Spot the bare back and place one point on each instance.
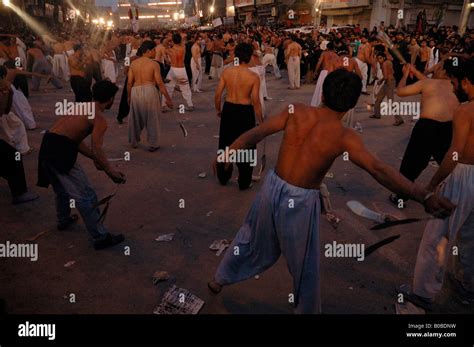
(239, 82)
(77, 128)
(176, 55)
(144, 70)
(465, 121)
(313, 139)
(294, 50)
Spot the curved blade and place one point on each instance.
(394, 223)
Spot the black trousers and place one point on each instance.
(208, 58)
(235, 120)
(124, 107)
(429, 138)
(21, 82)
(81, 88)
(11, 169)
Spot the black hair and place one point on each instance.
(460, 68)
(10, 64)
(103, 91)
(342, 50)
(145, 47)
(330, 45)
(77, 47)
(381, 54)
(341, 90)
(176, 38)
(244, 52)
(3, 71)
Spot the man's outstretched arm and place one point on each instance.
(392, 179)
(257, 134)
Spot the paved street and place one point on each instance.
(147, 205)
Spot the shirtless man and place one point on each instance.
(284, 217)
(69, 47)
(12, 169)
(241, 107)
(387, 90)
(217, 62)
(424, 57)
(196, 67)
(40, 66)
(293, 57)
(57, 165)
(432, 133)
(143, 78)
(60, 68)
(160, 57)
(363, 59)
(77, 68)
(270, 58)
(208, 55)
(326, 64)
(344, 61)
(177, 74)
(453, 180)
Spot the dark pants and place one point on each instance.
(81, 88)
(93, 72)
(124, 107)
(208, 58)
(235, 120)
(11, 169)
(429, 138)
(21, 83)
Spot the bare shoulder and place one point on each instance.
(465, 111)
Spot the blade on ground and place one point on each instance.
(372, 248)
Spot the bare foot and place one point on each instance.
(214, 287)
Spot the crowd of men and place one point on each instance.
(437, 64)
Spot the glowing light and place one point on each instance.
(95, 21)
(78, 12)
(110, 23)
(101, 20)
(175, 15)
(6, 3)
(211, 9)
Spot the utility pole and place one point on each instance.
(466, 10)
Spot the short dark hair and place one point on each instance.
(77, 47)
(341, 90)
(464, 68)
(177, 38)
(103, 91)
(244, 52)
(145, 47)
(3, 71)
